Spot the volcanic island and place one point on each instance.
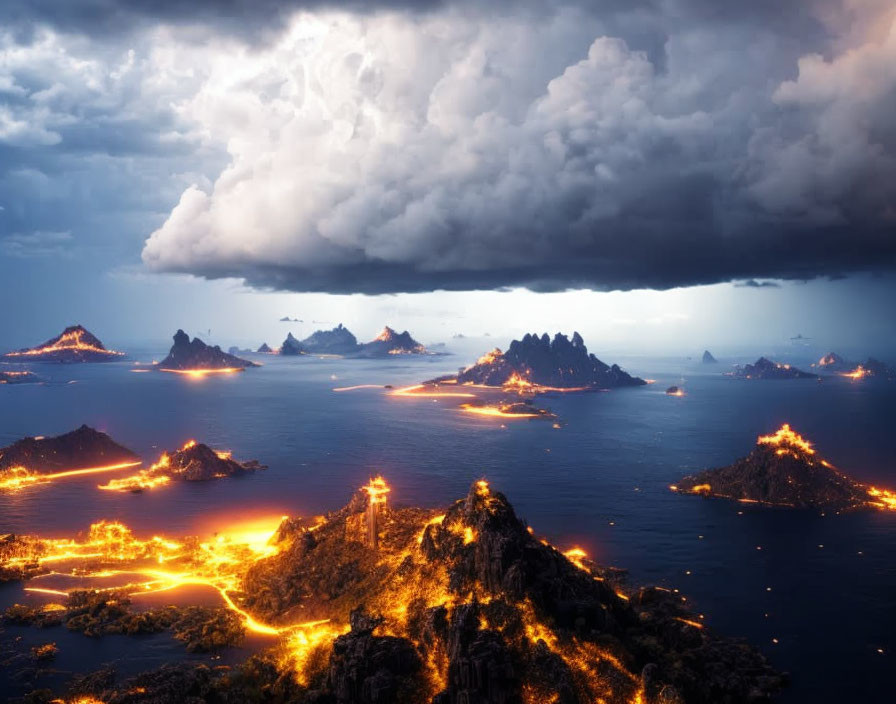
(72, 345)
(374, 604)
(784, 469)
(764, 368)
(197, 359)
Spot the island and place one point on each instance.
(507, 408)
(540, 364)
(339, 340)
(708, 358)
(674, 391)
(291, 347)
(784, 469)
(37, 460)
(871, 367)
(19, 377)
(74, 344)
(198, 359)
(389, 343)
(833, 362)
(374, 604)
(764, 368)
(194, 462)
(264, 349)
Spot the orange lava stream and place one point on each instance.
(787, 437)
(858, 373)
(16, 478)
(495, 412)
(418, 391)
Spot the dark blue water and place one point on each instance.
(822, 586)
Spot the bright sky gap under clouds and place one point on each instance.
(405, 148)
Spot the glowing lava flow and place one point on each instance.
(16, 478)
(785, 437)
(153, 477)
(68, 342)
(428, 391)
(158, 564)
(498, 411)
(357, 387)
(858, 373)
(202, 373)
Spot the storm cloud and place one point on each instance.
(418, 146)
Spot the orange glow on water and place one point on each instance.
(496, 411)
(202, 373)
(858, 373)
(16, 478)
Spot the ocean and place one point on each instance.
(815, 593)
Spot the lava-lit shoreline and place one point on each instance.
(422, 563)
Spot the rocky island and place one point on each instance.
(785, 470)
(373, 605)
(74, 344)
(708, 358)
(871, 367)
(339, 340)
(764, 368)
(39, 459)
(389, 342)
(194, 462)
(291, 347)
(264, 349)
(541, 364)
(198, 358)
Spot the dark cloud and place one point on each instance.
(753, 283)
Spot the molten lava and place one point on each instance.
(202, 373)
(858, 373)
(74, 340)
(15, 478)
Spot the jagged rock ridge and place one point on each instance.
(389, 342)
(764, 368)
(74, 344)
(291, 347)
(339, 340)
(78, 449)
(559, 363)
(186, 355)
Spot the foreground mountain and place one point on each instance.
(187, 356)
(291, 347)
(193, 462)
(764, 368)
(381, 605)
(541, 362)
(74, 344)
(389, 342)
(708, 358)
(785, 470)
(339, 340)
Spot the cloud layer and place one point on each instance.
(417, 146)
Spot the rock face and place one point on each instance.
(558, 363)
(291, 347)
(74, 344)
(389, 342)
(339, 340)
(18, 377)
(473, 608)
(187, 355)
(81, 448)
(708, 358)
(785, 470)
(766, 369)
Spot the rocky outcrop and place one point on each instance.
(764, 368)
(389, 342)
(539, 361)
(194, 462)
(833, 362)
(264, 349)
(708, 358)
(291, 347)
(339, 340)
(81, 448)
(785, 470)
(194, 355)
(74, 344)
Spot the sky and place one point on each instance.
(661, 175)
